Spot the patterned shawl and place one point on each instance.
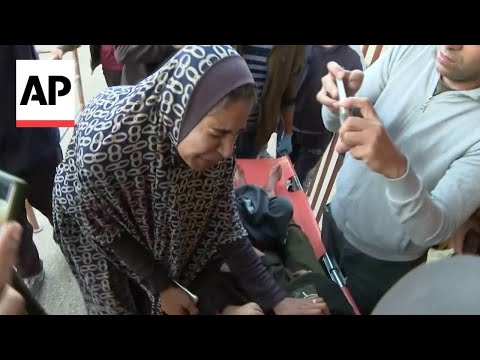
(128, 179)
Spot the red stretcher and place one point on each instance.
(256, 172)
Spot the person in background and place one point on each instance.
(358, 50)
(393, 202)
(31, 154)
(310, 138)
(99, 55)
(140, 61)
(276, 69)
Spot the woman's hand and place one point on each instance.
(247, 309)
(313, 305)
(175, 301)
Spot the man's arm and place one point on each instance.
(430, 218)
(60, 50)
(143, 53)
(287, 116)
(290, 94)
(67, 48)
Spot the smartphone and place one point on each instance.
(342, 95)
(12, 199)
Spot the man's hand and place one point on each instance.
(285, 145)
(56, 54)
(308, 306)
(175, 301)
(11, 302)
(328, 95)
(366, 139)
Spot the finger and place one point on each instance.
(317, 301)
(11, 302)
(353, 123)
(336, 70)
(319, 304)
(191, 308)
(256, 307)
(325, 99)
(366, 108)
(258, 312)
(325, 309)
(354, 82)
(318, 310)
(341, 147)
(10, 235)
(354, 138)
(360, 152)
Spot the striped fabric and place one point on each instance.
(256, 57)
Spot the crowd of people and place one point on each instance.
(148, 205)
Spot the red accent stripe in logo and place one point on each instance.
(45, 123)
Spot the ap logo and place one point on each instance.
(45, 93)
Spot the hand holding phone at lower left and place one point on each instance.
(11, 302)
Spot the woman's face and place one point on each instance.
(213, 139)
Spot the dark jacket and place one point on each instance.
(308, 124)
(283, 70)
(140, 61)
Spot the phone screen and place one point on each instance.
(5, 192)
(12, 192)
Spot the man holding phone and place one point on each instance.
(31, 154)
(412, 161)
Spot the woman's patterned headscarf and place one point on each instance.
(122, 176)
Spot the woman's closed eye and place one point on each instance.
(217, 133)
